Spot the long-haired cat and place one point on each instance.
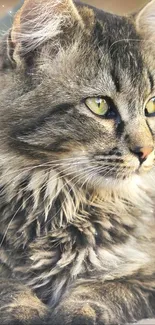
(77, 166)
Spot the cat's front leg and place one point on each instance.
(110, 303)
(18, 305)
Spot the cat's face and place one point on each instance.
(80, 91)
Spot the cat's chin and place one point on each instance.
(115, 183)
(140, 179)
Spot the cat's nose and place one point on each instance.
(142, 152)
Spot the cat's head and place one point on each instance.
(78, 91)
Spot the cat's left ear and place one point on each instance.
(40, 21)
(145, 21)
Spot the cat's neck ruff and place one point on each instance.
(44, 188)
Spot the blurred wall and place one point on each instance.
(118, 6)
(6, 6)
(9, 7)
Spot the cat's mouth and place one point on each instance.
(118, 179)
(144, 169)
(122, 173)
(107, 171)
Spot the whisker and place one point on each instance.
(49, 164)
(73, 185)
(5, 233)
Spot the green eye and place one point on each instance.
(150, 107)
(97, 105)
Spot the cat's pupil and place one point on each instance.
(98, 102)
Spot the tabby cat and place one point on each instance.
(77, 166)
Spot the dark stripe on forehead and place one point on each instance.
(118, 39)
(151, 80)
(116, 81)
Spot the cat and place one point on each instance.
(77, 166)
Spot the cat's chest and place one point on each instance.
(94, 243)
(72, 253)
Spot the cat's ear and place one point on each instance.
(145, 21)
(39, 21)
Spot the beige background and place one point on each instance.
(118, 6)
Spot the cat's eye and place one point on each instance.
(97, 105)
(150, 107)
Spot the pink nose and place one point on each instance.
(142, 152)
(145, 152)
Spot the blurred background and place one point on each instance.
(8, 8)
(118, 6)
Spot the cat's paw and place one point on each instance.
(84, 313)
(23, 310)
(19, 305)
(21, 316)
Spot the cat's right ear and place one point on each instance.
(37, 22)
(145, 21)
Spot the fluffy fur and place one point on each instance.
(77, 228)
